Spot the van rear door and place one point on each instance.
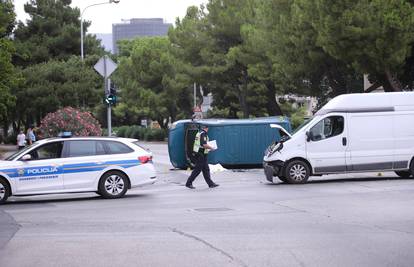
(327, 145)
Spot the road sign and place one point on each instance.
(105, 66)
(198, 114)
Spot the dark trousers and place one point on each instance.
(201, 165)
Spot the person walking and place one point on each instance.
(21, 140)
(31, 138)
(201, 149)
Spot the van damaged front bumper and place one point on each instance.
(272, 169)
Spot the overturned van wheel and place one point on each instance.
(283, 179)
(403, 174)
(113, 184)
(297, 172)
(4, 191)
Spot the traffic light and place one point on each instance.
(110, 100)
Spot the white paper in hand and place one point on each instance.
(212, 144)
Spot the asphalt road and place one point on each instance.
(347, 220)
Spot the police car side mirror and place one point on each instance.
(26, 157)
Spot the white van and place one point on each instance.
(351, 133)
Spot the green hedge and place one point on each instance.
(141, 133)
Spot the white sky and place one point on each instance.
(103, 16)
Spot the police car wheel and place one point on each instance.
(113, 185)
(4, 191)
(297, 172)
(412, 167)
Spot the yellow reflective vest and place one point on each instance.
(197, 141)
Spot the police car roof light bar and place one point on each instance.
(65, 134)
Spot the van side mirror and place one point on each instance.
(26, 157)
(309, 136)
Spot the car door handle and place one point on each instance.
(99, 162)
(344, 141)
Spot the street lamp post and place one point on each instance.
(81, 31)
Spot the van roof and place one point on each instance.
(369, 102)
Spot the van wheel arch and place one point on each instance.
(8, 183)
(115, 170)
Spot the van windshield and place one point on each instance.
(302, 125)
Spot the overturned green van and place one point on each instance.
(241, 142)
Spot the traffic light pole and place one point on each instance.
(109, 115)
(105, 66)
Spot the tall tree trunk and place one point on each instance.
(242, 94)
(232, 113)
(273, 108)
(337, 80)
(392, 82)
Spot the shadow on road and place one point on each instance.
(344, 180)
(31, 202)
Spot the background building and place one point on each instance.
(133, 28)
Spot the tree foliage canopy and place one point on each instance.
(52, 32)
(150, 87)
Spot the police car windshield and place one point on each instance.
(18, 153)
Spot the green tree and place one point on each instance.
(374, 37)
(57, 84)
(148, 82)
(52, 32)
(209, 41)
(9, 77)
(300, 64)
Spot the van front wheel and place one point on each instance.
(297, 172)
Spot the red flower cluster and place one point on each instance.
(69, 120)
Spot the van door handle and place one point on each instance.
(344, 141)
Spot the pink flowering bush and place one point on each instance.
(69, 120)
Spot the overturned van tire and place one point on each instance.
(297, 172)
(283, 179)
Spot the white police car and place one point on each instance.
(108, 166)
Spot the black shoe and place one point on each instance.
(190, 186)
(213, 185)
